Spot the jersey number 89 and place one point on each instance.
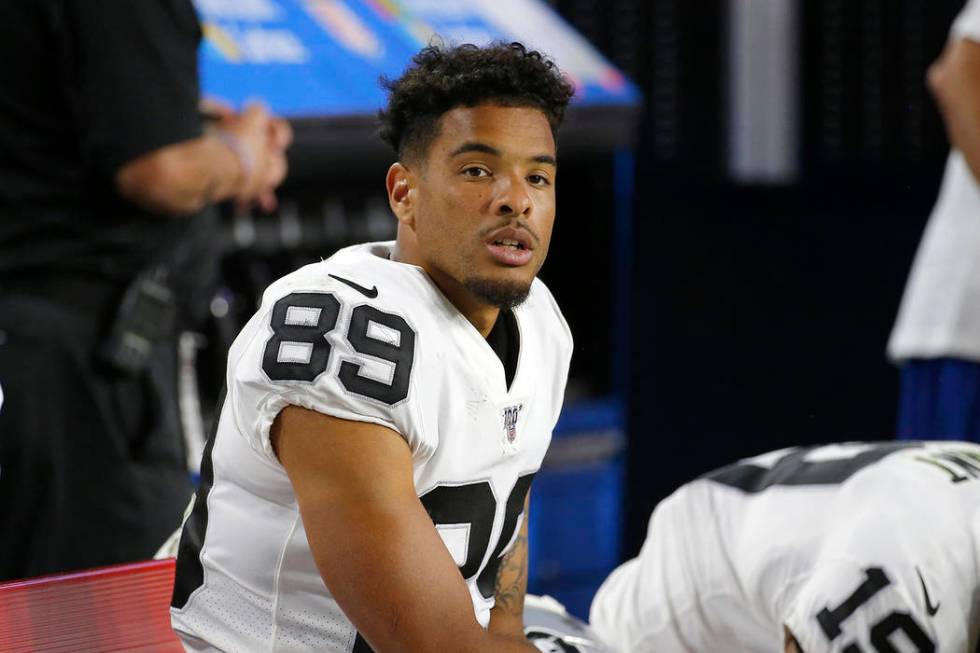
(299, 351)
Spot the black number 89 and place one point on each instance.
(299, 351)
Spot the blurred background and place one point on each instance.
(743, 185)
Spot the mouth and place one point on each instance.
(514, 238)
(504, 242)
(510, 247)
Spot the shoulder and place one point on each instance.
(358, 271)
(846, 603)
(357, 285)
(341, 337)
(865, 587)
(967, 23)
(363, 274)
(799, 468)
(542, 308)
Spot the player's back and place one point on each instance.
(831, 541)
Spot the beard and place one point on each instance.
(502, 294)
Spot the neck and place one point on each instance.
(477, 312)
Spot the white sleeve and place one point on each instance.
(847, 603)
(647, 605)
(311, 364)
(967, 23)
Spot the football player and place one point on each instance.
(850, 548)
(367, 484)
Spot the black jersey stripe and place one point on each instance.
(190, 571)
(794, 469)
(361, 645)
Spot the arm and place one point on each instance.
(134, 68)
(507, 615)
(954, 80)
(791, 645)
(375, 546)
(184, 177)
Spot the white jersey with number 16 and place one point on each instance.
(856, 548)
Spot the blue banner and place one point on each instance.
(316, 58)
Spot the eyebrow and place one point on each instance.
(472, 146)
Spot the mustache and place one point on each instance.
(508, 222)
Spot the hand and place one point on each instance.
(214, 109)
(281, 137)
(263, 139)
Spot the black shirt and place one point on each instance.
(505, 340)
(86, 86)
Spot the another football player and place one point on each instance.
(386, 410)
(845, 548)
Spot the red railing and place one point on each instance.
(118, 608)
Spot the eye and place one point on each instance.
(476, 172)
(539, 180)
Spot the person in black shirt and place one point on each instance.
(106, 175)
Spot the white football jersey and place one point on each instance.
(361, 337)
(857, 548)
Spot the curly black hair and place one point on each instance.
(442, 78)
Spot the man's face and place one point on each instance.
(485, 202)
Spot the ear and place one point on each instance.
(401, 185)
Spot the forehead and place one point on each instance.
(518, 131)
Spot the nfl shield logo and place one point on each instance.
(511, 413)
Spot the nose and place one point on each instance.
(512, 198)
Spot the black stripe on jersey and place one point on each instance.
(792, 469)
(190, 570)
(361, 645)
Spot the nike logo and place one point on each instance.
(369, 293)
(930, 608)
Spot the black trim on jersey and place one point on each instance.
(505, 341)
(474, 504)
(792, 469)
(190, 571)
(486, 582)
(361, 645)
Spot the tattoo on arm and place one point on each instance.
(512, 578)
(510, 585)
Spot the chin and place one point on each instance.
(502, 293)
